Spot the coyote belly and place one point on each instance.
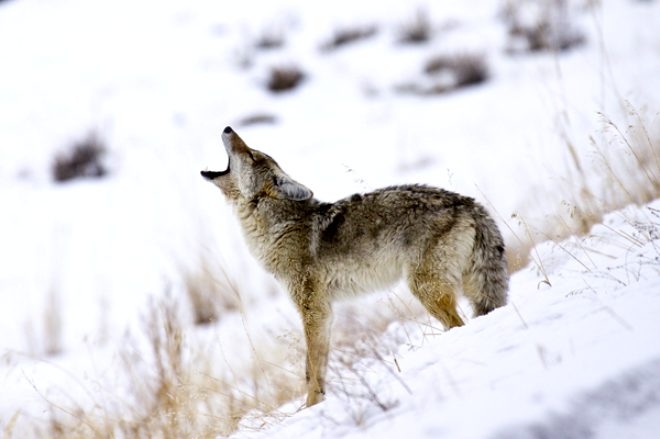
(438, 241)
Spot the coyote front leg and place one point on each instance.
(316, 313)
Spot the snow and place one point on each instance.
(574, 354)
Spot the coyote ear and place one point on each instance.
(292, 190)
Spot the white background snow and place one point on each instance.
(573, 355)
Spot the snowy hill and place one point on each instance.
(574, 355)
(130, 307)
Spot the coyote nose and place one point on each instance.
(233, 143)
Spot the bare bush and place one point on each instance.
(540, 25)
(348, 35)
(284, 78)
(83, 160)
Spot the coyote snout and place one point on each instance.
(440, 242)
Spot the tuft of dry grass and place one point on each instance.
(44, 336)
(8, 429)
(625, 170)
(210, 292)
(188, 396)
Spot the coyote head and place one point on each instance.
(251, 175)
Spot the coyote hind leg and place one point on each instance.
(437, 276)
(437, 294)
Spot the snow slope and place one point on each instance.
(573, 355)
(82, 263)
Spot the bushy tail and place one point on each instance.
(486, 280)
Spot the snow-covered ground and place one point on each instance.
(84, 262)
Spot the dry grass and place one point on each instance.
(172, 387)
(44, 335)
(53, 325)
(360, 370)
(624, 168)
(362, 363)
(210, 291)
(8, 429)
(172, 382)
(189, 397)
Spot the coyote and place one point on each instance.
(439, 241)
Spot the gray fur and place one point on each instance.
(439, 241)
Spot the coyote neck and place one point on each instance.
(275, 230)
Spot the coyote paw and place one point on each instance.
(314, 398)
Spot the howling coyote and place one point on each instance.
(439, 241)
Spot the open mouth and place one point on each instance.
(210, 175)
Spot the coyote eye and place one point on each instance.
(251, 156)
